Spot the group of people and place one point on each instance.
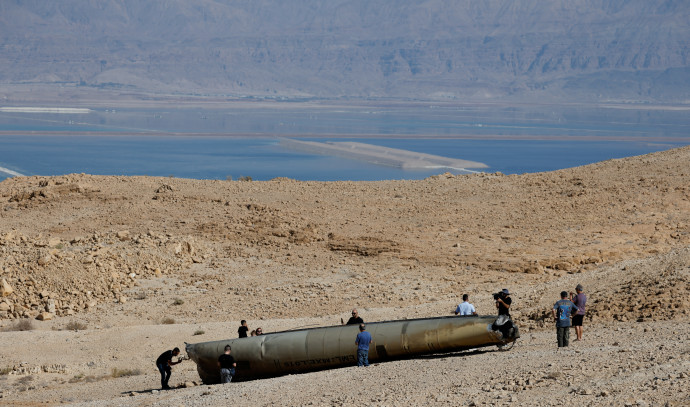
(363, 339)
(566, 309)
(227, 364)
(563, 311)
(567, 312)
(243, 329)
(502, 300)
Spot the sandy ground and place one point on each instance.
(138, 265)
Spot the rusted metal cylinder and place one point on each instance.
(331, 347)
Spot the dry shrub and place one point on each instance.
(77, 378)
(21, 325)
(124, 372)
(87, 379)
(168, 321)
(178, 301)
(75, 326)
(199, 332)
(26, 379)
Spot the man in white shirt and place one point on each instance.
(465, 308)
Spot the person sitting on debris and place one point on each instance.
(354, 319)
(227, 365)
(465, 308)
(253, 332)
(242, 330)
(164, 364)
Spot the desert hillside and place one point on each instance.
(155, 261)
(593, 50)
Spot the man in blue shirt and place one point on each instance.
(562, 311)
(465, 308)
(363, 340)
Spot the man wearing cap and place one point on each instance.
(579, 299)
(562, 310)
(503, 302)
(362, 341)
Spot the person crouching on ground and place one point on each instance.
(562, 311)
(227, 365)
(164, 364)
(363, 340)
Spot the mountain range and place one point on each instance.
(519, 50)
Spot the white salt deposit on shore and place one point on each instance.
(8, 171)
(60, 110)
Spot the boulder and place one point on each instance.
(50, 306)
(44, 260)
(123, 235)
(44, 316)
(5, 289)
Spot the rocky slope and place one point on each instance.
(120, 268)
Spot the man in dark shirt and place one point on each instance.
(503, 302)
(227, 364)
(242, 330)
(164, 363)
(354, 319)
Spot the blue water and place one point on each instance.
(235, 142)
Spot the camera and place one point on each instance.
(498, 295)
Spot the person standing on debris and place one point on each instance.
(354, 319)
(362, 341)
(465, 308)
(562, 311)
(579, 299)
(243, 329)
(165, 363)
(227, 365)
(503, 302)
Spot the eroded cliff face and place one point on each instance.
(586, 50)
